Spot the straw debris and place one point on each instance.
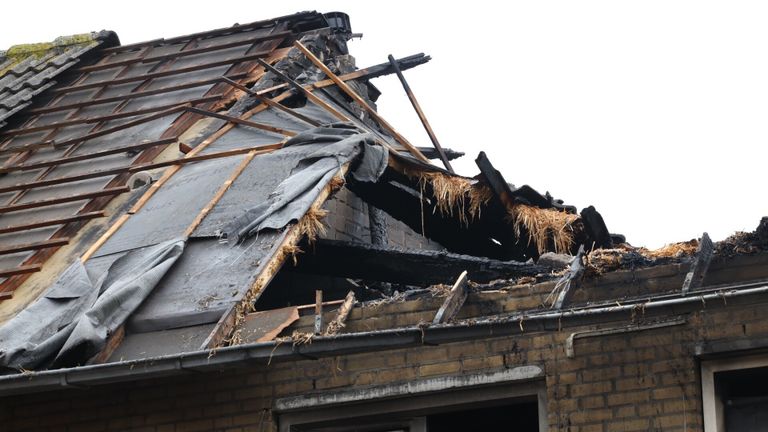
(300, 338)
(454, 195)
(672, 250)
(311, 224)
(479, 197)
(543, 226)
(450, 193)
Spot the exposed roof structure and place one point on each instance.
(155, 194)
(28, 70)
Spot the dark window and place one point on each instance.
(744, 395)
(519, 417)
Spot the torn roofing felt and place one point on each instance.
(70, 323)
(294, 196)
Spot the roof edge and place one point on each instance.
(353, 343)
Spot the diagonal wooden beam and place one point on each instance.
(701, 259)
(363, 104)
(453, 302)
(308, 94)
(420, 113)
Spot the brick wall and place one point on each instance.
(644, 381)
(348, 220)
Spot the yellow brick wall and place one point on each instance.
(627, 382)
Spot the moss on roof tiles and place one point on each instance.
(18, 53)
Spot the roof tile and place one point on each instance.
(27, 70)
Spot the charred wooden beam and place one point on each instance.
(273, 104)
(406, 204)
(762, 230)
(431, 153)
(597, 232)
(406, 266)
(360, 101)
(524, 194)
(377, 225)
(301, 89)
(240, 121)
(494, 179)
(701, 259)
(363, 74)
(453, 303)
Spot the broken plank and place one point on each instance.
(264, 326)
(318, 311)
(271, 103)
(341, 315)
(240, 121)
(113, 341)
(453, 303)
(701, 260)
(570, 281)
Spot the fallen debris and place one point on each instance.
(338, 323)
(452, 304)
(544, 227)
(569, 282)
(700, 265)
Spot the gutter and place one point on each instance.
(266, 353)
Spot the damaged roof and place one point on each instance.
(28, 70)
(172, 196)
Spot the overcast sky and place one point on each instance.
(655, 112)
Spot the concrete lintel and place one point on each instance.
(418, 387)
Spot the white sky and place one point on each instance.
(656, 112)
